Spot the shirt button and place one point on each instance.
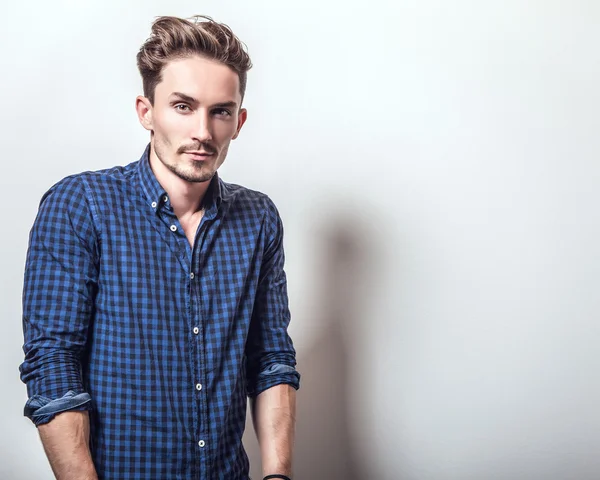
(196, 330)
(192, 275)
(198, 386)
(201, 443)
(165, 198)
(153, 204)
(173, 228)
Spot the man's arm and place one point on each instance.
(271, 357)
(274, 420)
(61, 275)
(66, 443)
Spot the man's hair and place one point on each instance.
(173, 38)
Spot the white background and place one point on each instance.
(435, 165)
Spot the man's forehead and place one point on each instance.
(197, 77)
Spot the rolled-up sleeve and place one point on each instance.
(271, 357)
(61, 278)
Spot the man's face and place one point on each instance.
(196, 114)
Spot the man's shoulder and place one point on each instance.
(108, 176)
(244, 198)
(240, 192)
(93, 181)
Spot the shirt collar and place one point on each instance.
(156, 195)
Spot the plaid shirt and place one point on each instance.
(160, 341)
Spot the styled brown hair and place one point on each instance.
(173, 37)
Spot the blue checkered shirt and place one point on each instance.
(162, 342)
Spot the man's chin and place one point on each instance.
(195, 176)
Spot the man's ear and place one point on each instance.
(242, 116)
(143, 108)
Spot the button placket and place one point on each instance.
(195, 284)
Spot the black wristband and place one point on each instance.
(282, 477)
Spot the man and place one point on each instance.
(155, 299)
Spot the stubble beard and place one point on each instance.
(191, 173)
(194, 172)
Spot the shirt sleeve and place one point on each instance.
(61, 277)
(271, 357)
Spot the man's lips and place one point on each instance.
(199, 155)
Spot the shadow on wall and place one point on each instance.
(324, 444)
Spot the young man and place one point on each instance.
(155, 299)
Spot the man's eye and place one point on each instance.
(182, 107)
(223, 111)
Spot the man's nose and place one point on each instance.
(203, 127)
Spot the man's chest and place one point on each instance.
(212, 255)
(190, 228)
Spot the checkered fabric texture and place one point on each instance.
(167, 340)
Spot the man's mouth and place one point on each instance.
(199, 155)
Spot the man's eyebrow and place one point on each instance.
(192, 100)
(184, 97)
(231, 104)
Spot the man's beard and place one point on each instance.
(195, 172)
(192, 174)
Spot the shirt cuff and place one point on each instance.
(275, 374)
(42, 409)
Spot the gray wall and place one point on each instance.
(435, 164)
